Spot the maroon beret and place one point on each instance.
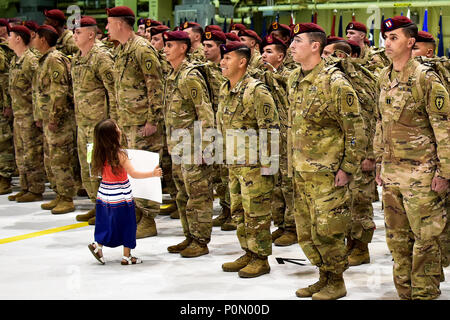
(237, 26)
(212, 27)
(231, 46)
(278, 26)
(55, 14)
(268, 40)
(176, 36)
(215, 35)
(47, 27)
(358, 26)
(354, 45)
(30, 24)
(120, 11)
(306, 27)
(4, 23)
(22, 29)
(152, 23)
(158, 29)
(395, 23)
(189, 24)
(232, 36)
(249, 33)
(333, 39)
(141, 21)
(87, 21)
(424, 36)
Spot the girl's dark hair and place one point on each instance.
(106, 147)
(25, 37)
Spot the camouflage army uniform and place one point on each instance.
(7, 162)
(28, 139)
(249, 106)
(197, 55)
(66, 44)
(138, 88)
(52, 88)
(374, 59)
(186, 101)
(95, 100)
(412, 144)
(326, 135)
(256, 61)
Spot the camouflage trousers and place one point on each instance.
(323, 219)
(414, 218)
(153, 143)
(444, 238)
(283, 202)
(362, 192)
(168, 185)
(251, 196)
(220, 182)
(60, 158)
(7, 162)
(194, 199)
(85, 135)
(28, 144)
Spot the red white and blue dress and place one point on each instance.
(115, 222)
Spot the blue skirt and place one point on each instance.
(115, 221)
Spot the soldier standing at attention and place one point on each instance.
(187, 104)
(245, 108)
(195, 32)
(65, 43)
(94, 97)
(138, 87)
(328, 142)
(52, 88)
(251, 39)
(412, 149)
(28, 140)
(425, 45)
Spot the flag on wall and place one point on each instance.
(440, 47)
(425, 21)
(340, 26)
(333, 32)
(380, 36)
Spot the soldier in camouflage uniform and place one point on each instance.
(251, 39)
(94, 97)
(195, 32)
(7, 162)
(327, 140)
(187, 105)
(138, 88)
(65, 43)
(28, 139)
(372, 58)
(211, 43)
(283, 32)
(246, 104)
(54, 108)
(412, 147)
(4, 29)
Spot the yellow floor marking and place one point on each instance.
(44, 232)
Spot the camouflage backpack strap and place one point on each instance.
(203, 69)
(249, 95)
(418, 78)
(325, 82)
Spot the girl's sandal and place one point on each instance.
(130, 260)
(94, 248)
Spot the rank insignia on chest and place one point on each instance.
(388, 100)
(439, 102)
(55, 74)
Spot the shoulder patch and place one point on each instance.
(148, 65)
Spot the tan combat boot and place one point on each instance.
(30, 197)
(50, 205)
(13, 197)
(222, 217)
(255, 268)
(238, 264)
(86, 216)
(286, 239)
(195, 249)
(5, 185)
(180, 247)
(359, 254)
(277, 233)
(334, 289)
(146, 228)
(65, 205)
(314, 288)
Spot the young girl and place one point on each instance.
(115, 223)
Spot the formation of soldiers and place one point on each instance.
(342, 116)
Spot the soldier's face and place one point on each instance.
(141, 30)
(423, 49)
(302, 48)
(355, 35)
(82, 36)
(328, 50)
(174, 50)
(211, 50)
(157, 41)
(114, 27)
(231, 64)
(279, 35)
(272, 55)
(248, 41)
(398, 44)
(12, 40)
(194, 36)
(147, 34)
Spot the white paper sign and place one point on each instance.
(149, 188)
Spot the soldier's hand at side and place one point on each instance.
(341, 179)
(148, 129)
(368, 165)
(52, 127)
(439, 184)
(378, 179)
